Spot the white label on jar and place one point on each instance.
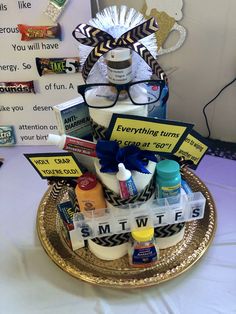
(119, 76)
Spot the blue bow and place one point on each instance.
(110, 155)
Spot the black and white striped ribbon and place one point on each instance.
(114, 240)
(56, 188)
(98, 131)
(168, 230)
(143, 196)
(104, 42)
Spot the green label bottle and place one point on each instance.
(168, 182)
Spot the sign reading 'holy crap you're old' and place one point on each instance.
(55, 165)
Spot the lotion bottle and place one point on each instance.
(90, 196)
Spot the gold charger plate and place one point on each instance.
(83, 265)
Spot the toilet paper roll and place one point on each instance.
(103, 116)
(108, 253)
(141, 180)
(169, 235)
(164, 243)
(115, 209)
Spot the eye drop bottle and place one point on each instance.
(127, 186)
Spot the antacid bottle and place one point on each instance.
(143, 251)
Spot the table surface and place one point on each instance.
(31, 283)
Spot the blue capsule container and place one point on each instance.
(168, 179)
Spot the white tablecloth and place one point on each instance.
(31, 283)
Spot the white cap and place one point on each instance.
(118, 54)
(54, 139)
(123, 174)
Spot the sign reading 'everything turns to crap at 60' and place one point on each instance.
(163, 136)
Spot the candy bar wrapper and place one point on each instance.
(55, 9)
(58, 65)
(7, 135)
(17, 87)
(39, 32)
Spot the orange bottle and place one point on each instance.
(90, 196)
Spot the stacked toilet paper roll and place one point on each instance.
(141, 181)
(103, 116)
(116, 246)
(170, 235)
(110, 248)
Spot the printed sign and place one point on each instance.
(32, 113)
(193, 148)
(156, 135)
(58, 165)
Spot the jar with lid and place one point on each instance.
(89, 193)
(119, 65)
(143, 251)
(168, 179)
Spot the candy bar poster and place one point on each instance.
(30, 112)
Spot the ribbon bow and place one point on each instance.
(103, 42)
(110, 155)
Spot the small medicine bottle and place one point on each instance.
(168, 179)
(89, 194)
(143, 251)
(119, 65)
(126, 182)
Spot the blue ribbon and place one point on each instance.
(110, 155)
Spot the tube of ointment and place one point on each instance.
(73, 144)
(126, 182)
(186, 187)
